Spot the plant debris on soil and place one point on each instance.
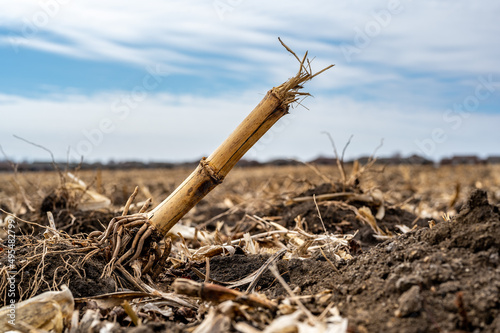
(292, 248)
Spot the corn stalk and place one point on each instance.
(210, 172)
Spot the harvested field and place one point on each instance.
(394, 249)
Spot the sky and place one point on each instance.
(158, 80)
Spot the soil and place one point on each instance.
(61, 264)
(337, 219)
(442, 279)
(438, 277)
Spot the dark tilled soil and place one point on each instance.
(61, 264)
(74, 221)
(416, 282)
(338, 219)
(344, 221)
(67, 218)
(442, 279)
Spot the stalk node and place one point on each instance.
(211, 171)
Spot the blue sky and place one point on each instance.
(169, 80)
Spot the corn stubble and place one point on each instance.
(210, 172)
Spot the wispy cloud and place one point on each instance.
(399, 66)
(185, 127)
(429, 36)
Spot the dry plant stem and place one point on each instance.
(212, 170)
(131, 313)
(278, 255)
(218, 294)
(43, 312)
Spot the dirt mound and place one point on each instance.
(339, 217)
(44, 266)
(430, 280)
(73, 221)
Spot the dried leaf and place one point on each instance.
(46, 311)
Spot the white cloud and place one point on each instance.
(185, 127)
(435, 39)
(422, 36)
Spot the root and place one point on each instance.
(127, 237)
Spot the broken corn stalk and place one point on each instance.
(128, 246)
(212, 170)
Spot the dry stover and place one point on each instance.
(414, 280)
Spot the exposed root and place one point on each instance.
(126, 236)
(44, 265)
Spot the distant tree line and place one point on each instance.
(6, 166)
(419, 160)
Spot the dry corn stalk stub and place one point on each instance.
(210, 172)
(47, 311)
(215, 293)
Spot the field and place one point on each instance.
(395, 249)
